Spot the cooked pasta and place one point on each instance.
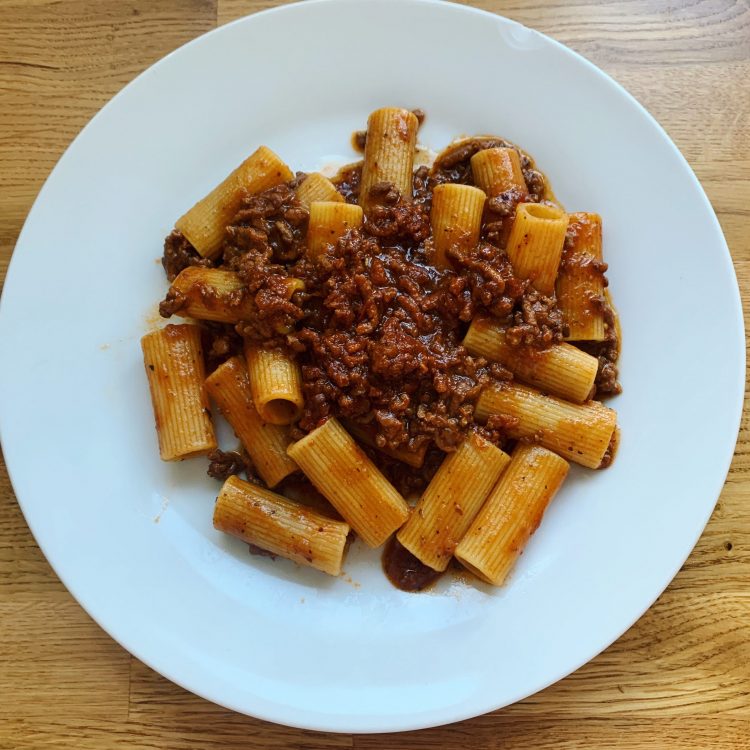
(580, 432)
(351, 482)
(561, 369)
(580, 283)
(451, 501)
(280, 526)
(266, 444)
(389, 156)
(512, 513)
(173, 358)
(316, 187)
(205, 223)
(456, 219)
(211, 294)
(439, 333)
(535, 244)
(276, 384)
(328, 222)
(497, 170)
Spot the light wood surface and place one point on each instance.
(680, 678)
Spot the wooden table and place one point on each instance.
(680, 678)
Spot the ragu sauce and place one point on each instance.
(404, 570)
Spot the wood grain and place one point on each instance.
(680, 678)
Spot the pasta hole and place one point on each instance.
(280, 411)
(728, 546)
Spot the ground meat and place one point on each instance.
(270, 226)
(223, 464)
(504, 204)
(538, 321)
(403, 222)
(179, 254)
(536, 185)
(265, 236)
(607, 352)
(422, 185)
(347, 182)
(382, 344)
(220, 342)
(172, 303)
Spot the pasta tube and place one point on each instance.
(339, 468)
(276, 384)
(266, 444)
(205, 223)
(273, 523)
(456, 219)
(561, 369)
(173, 358)
(212, 294)
(535, 244)
(578, 432)
(580, 283)
(389, 154)
(451, 501)
(328, 222)
(512, 513)
(497, 170)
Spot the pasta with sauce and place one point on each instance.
(409, 354)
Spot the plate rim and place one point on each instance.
(338, 723)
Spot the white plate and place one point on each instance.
(132, 538)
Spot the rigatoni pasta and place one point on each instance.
(386, 338)
(317, 187)
(280, 526)
(173, 358)
(211, 294)
(266, 444)
(329, 221)
(561, 370)
(389, 155)
(580, 283)
(276, 384)
(451, 501)
(497, 170)
(535, 244)
(579, 432)
(512, 513)
(456, 219)
(350, 481)
(205, 223)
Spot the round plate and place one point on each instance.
(131, 537)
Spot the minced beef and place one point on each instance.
(607, 351)
(347, 182)
(179, 254)
(383, 344)
(220, 342)
(223, 464)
